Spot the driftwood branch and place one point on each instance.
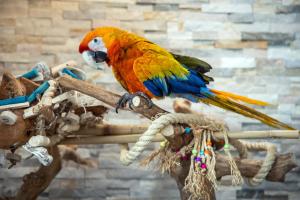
(248, 167)
(114, 130)
(36, 182)
(105, 96)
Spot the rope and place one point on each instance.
(158, 125)
(267, 163)
(243, 147)
(162, 123)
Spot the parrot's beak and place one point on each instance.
(100, 56)
(94, 59)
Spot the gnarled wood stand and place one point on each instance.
(36, 182)
(248, 168)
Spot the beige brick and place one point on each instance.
(7, 31)
(140, 7)
(226, 8)
(160, 15)
(115, 1)
(65, 5)
(78, 32)
(148, 25)
(241, 45)
(7, 22)
(13, 9)
(105, 22)
(87, 15)
(190, 6)
(39, 3)
(8, 47)
(25, 47)
(43, 31)
(33, 22)
(44, 12)
(70, 46)
(123, 14)
(22, 38)
(25, 57)
(53, 40)
(187, 15)
(65, 23)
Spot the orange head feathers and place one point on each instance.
(105, 33)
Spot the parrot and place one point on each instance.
(145, 69)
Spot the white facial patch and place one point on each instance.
(97, 44)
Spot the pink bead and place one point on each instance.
(203, 166)
(184, 157)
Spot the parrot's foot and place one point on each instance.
(129, 97)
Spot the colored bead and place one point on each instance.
(163, 144)
(187, 130)
(198, 159)
(184, 157)
(226, 146)
(194, 152)
(203, 166)
(201, 152)
(208, 143)
(206, 152)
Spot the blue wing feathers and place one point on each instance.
(191, 85)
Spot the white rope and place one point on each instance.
(267, 163)
(161, 124)
(127, 157)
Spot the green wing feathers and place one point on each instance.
(196, 64)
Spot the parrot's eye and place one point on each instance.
(96, 44)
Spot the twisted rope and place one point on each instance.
(158, 125)
(163, 123)
(243, 147)
(267, 163)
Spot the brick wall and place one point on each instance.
(254, 47)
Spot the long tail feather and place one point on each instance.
(232, 96)
(227, 103)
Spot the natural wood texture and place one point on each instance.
(10, 86)
(284, 134)
(68, 153)
(36, 182)
(120, 139)
(249, 167)
(96, 110)
(111, 129)
(284, 164)
(105, 96)
(28, 84)
(106, 129)
(16, 134)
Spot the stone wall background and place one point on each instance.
(253, 45)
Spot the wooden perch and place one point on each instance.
(105, 96)
(113, 130)
(248, 167)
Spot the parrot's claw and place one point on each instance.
(129, 97)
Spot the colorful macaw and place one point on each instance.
(148, 70)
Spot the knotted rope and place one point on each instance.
(243, 147)
(158, 125)
(163, 124)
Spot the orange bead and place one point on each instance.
(206, 152)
